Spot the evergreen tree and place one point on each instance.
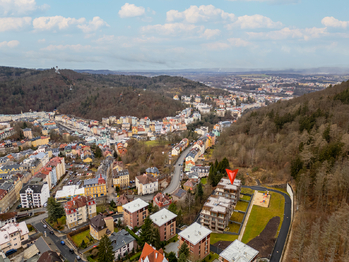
(54, 210)
(199, 191)
(105, 249)
(98, 152)
(184, 249)
(172, 257)
(182, 258)
(155, 238)
(179, 219)
(146, 233)
(112, 203)
(173, 208)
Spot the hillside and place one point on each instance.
(93, 96)
(304, 141)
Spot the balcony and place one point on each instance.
(205, 212)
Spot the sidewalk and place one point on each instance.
(246, 218)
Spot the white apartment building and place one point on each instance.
(34, 195)
(146, 184)
(12, 235)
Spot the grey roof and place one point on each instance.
(6, 186)
(239, 252)
(152, 170)
(179, 193)
(120, 239)
(36, 188)
(121, 173)
(93, 181)
(42, 245)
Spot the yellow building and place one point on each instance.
(100, 226)
(95, 187)
(121, 179)
(39, 141)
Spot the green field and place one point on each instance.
(212, 256)
(234, 228)
(215, 237)
(81, 236)
(238, 217)
(241, 205)
(260, 216)
(247, 198)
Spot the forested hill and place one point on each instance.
(304, 141)
(93, 96)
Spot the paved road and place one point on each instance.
(281, 240)
(175, 181)
(64, 249)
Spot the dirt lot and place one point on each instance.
(264, 243)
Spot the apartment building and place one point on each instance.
(95, 187)
(165, 221)
(79, 210)
(100, 226)
(135, 212)
(121, 178)
(228, 190)
(7, 218)
(238, 251)
(12, 235)
(197, 238)
(146, 184)
(216, 212)
(34, 195)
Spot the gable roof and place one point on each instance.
(120, 239)
(50, 256)
(146, 179)
(150, 254)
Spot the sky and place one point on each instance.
(174, 34)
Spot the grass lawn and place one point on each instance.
(260, 216)
(215, 237)
(204, 180)
(212, 256)
(81, 236)
(101, 209)
(247, 198)
(247, 191)
(136, 256)
(236, 216)
(233, 227)
(241, 205)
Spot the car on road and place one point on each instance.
(52, 233)
(71, 250)
(62, 242)
(45, 226)
(78, 258)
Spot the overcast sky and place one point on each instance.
(174, 34)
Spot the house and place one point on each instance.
(27, 132)
(190, 184)
(231, 191)
(122, 200)
(34, 195)
(121, 178)
(197, 238)
(154, 171)
(123, 243)
(79, 210)
(135, 212)
(238, 252)
(12, 235)
(100, 226)
(150, 254)
(179, 195)
(202, 171)
(161, 200)
(165, 221)
(7, 218)
(146, 184)
(95, 187)
(216, 212)
(50, 256)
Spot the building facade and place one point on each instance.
(12, 235)
(34, 195)
(121, 178)
(95, 187)
(146, 184)
(135, 212)
(228, 190)
(100, 226)
(165, 221)
(79, 210)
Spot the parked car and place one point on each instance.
(78, 258)
(52, 233)
(73, 229)
(62, 242)
(45, 226)
(71, 250)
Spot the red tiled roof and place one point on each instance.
(152, 254)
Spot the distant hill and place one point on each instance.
(92, 95)
(304, 141)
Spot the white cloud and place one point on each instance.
(76, 48)
(203, 13)
(209, 33)
(19, 7)
(93, 25)
(172, 28)
(287, 32)
(330, 21)
(13, 23)
(42, 40)
(231, 42)
(53, 22)
(11, 44)
(271, 1)
(131, 10)
(254, 21)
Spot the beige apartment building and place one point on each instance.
(197, 238)
(12, 235)
(216, 212)
(121, 178)
(165, 221)
(135, 212)
(228, 190)
(79, 210)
